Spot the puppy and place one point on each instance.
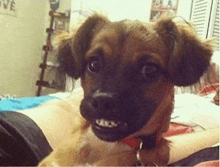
(128, 71)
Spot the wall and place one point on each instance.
(114, 9)
(21, 40)
(122, 9)
(64, 5)
(184, 9)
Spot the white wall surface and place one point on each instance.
(122, 9)
(21, 40)
(114, 9)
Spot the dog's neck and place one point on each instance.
(143, 142)
(97, 149)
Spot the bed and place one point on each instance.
(190, 115)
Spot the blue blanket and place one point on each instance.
(23, 103)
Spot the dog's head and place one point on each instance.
(128, 71)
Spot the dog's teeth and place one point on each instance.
(114, 123)
(107, 123)
(98, 121)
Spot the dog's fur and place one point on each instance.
(128, 71)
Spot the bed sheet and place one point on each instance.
(191, 113)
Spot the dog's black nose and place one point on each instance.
(103, 101)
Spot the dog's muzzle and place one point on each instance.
(115, 116)
(103, 110)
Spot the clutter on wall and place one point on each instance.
(8, 7)
(160, 6)
(54, 4)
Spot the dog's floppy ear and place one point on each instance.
(189, 56)
(73, 47)
(64, 54)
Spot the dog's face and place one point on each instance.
(127, 70)
(124, 79)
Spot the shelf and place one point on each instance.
(56, 20)
(48, 85)
(49, 30)
(49, 65)
(58, 15)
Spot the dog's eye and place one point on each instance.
(150, 71)
(94, 65)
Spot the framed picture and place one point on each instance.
(158, 7)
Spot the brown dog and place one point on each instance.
(128, 71)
